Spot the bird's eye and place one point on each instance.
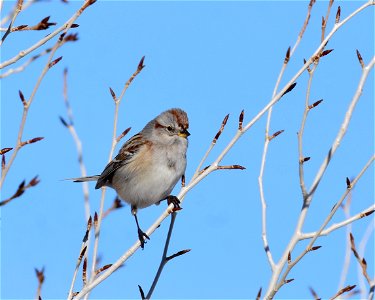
(170, 128)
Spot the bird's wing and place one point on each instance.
(126, 153)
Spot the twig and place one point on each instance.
(362, 262)
(117, 102)
(212, 145)
(15, 14)
(325, 20)
(301, 132)
(267, 140)
(26, 104)
(346, 263)
(297, 237)
(11, 13)
(362, 247)
(77, 142)
(26, 64)
(343, 129)
(82, 252)
(41, 42)
(165, 259)
(21, 189)
(366, 212)
(274, 286)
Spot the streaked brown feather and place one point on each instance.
(127, 151)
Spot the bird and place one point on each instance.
(149, 164)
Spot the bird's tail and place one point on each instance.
(83, 179)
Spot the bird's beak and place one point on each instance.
(184, 133)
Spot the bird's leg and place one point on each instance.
(141, 234)
(175, 201)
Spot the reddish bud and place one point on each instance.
(316, 103)
(54, 62)
(22, 97)
(5, 150)
(338, 13)
(348, 183)
(287, 56)
(360, 59)
(240, 119)
(141, 65)
(326, 52)
(290, 88)
(275, 135)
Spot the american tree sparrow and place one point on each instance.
(149, 164)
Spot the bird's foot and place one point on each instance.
(175, 201)
(142, 235)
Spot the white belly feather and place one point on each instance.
(150, 180)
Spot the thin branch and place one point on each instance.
(117, 102)
(362, 262)
(78, 143)
(362, 246)
(15, 14)
(27, 104)
(288, 55)
(275, 284)
(301, 132)
(297, 236)
(21, 189)
(24, 65)
(343, 129)
(163, 261)
(11, 13)
(366, 212)
(82, 252)
(325, 20)
(41, 42)
(212, 145)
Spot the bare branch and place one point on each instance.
(21, 189)
(41, 42)
(212, 145)
(362, 262)
(97, 223)
(367, 212)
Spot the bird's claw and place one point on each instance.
(175, 201)
(142, 235)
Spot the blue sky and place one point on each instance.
(211, 59)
